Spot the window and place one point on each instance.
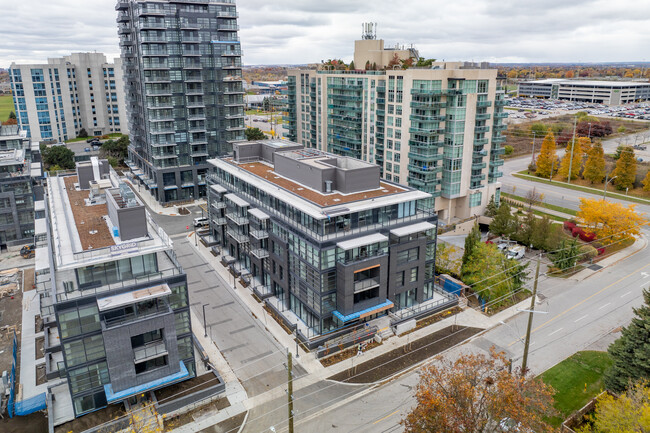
(80, 321)
(413, 275)
(151, 364)
(475, 199)
(84, 350)
(399, 278)
(84, 378)
(409, 255)
(146, 338)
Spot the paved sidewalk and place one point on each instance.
(640, 244)
(153, 205)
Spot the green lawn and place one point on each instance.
(610, 193)
(6, 107)
(545, 205)
(576, 380)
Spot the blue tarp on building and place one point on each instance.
(112, 397)
(360, 314)
(31, 405)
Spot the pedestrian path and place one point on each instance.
(153, 204)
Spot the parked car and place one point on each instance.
(92, 140)
(200, 222)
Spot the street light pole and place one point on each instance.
(605, 189)
(205, 328)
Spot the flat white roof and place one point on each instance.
(218, 188)
(238, 201)
(41, 259)
(413, 228)
(128, 298)
(258, 214)
(39, 205)
(361, 241)
(40, 226)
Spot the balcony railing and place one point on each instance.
(360, 286)
(149, 351)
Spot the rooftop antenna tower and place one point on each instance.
(369, 31)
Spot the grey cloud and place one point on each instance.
(289, 31)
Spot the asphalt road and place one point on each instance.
(252, 353)
(573, 316)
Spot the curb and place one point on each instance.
(619, 260)
(243, 424)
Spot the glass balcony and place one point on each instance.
(479, 129)
(483, 104)
(426, 92)
(483, 116)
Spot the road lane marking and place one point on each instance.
(387, 416)
(577, 320)
(584, 300)
(600, 308)
(555, 332)
(625, 294)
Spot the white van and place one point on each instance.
(200, 222)
(516, 252)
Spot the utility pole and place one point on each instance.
(573, 143)
(524, 364)
(290, 391)
(533, 159)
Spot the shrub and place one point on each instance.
(508, 149)
(588, 252)
(569, 225)
(577, 231)
(104, 137)
(587, 237)
(601, 251)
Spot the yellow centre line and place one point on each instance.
(387, 416)
(582, 302)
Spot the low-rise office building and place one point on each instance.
(321, 237)
(114, 299)
(55, 100)
(19, 176)
(592, 91)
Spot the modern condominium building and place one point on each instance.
(593, 91)
(114, 299)
(437, 129)
(56, 100)
(18, 177)
(321, 237)
(183, 84)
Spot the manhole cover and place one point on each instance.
(595, 267)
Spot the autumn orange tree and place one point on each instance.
(546, 159)
(573, 163)
(610, 221)
(595, 166)
(474, 394)
(646, 182)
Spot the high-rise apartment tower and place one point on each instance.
(183, 86)
(435, 128)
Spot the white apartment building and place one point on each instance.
(437, 129)
(55, 100)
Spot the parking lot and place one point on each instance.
(532, 108)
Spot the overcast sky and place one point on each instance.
(307, 31)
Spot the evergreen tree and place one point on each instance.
(528, 227)
(631, 352)
(503, 223)
(541, 236)
(646, 182)
(567, 256)
(625, 169)
(82, 133)
(491, 208)
(472, 239)
(594, 170)
(351, 67)
(12, 115)
(547, 157)
(573, 163)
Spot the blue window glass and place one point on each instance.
(37, 75)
